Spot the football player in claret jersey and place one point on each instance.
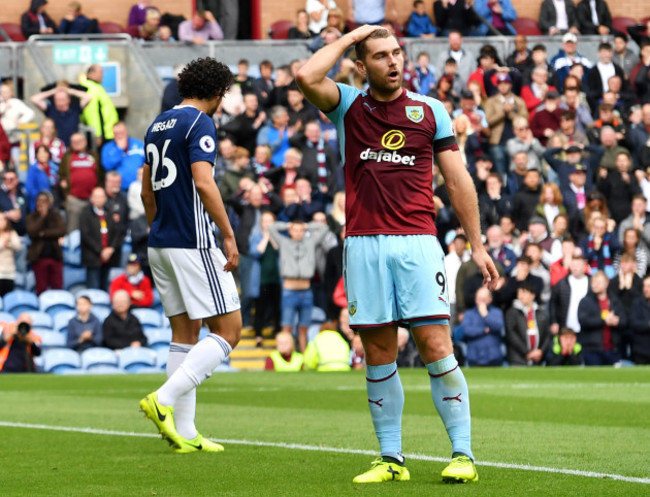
(393, 264)
(183, 204)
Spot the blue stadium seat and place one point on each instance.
(7, 317)
(20, 301)
(1, 305)
(25, 281)
(114, 272)
(74, 277)
(62, 319)
(158, 337)
(72, 248)
(148, 318)
(106, 370)
(98, 357)
(100, 312)
(51, 339)
(41, 319)
(148, 370)
(96, 296)
(157, 303)
(132, 359)
(55, 301)
(59, 360)
(318, 315)
(163, 355)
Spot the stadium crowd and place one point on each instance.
(558, 146)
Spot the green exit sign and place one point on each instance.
(80, 54)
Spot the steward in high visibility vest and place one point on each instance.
(284, 358)
(566, 351)
(328, 351)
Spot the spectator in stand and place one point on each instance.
(149, 30)
(286, 174)
(525, 142)
(639, 138)
(124, 154)
(567, 294)
(639, 221)
(500, 111)
(528, 334)
(568, 56)
(521, 58)
(74, 22)
(300, 30)
(623, 56)
(547, 119)
(535, 93)
(419, 24)
(465, 61)
(171, 97)
(619, 186)
(526, 198)
(640, 74)
(550, 204)
(201, 28)
(10, 244)
(600, 246)
(374, 12)
(100, 113)
(65, 111)
(318, 12)
(498, 13)
(593, 17)
(50, 140)
(560, 268)
(300, 111)
(457, 255)
(13, 113)
(244, 127)
(515, 179)
(36, 21)
(122, 329)
(609, 140)
(319, 160)
(493, 204)
(598, 78)
(468, 141)
(231, 182)
(18, 345)
(284, 358)
(13, 201)
(482, 327)
(297, 271)
(538, 254)
(453, 15)
(565, 351)
(538, 59)
(101, 241)
(41, 175)
(79, 173)
(426, 74)
(276, 134)
(116, 204)
(225, 160)
(45, 226)
(631, 253)
(602, 321)
(498, 251)
(569, 131)
(138, 13)
(640, 325)
(573, 102)
(84, 329)
(474, 112)
(135, 283)
(265, 84)
(558, 17)
(574, 157)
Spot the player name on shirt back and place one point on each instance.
(163, 125)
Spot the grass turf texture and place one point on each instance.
(592, 420)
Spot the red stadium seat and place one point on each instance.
(397, 28)
(279, 30)
(526, 26)
(13, 31)
(110, 28)
(645, 20)
(621, 23)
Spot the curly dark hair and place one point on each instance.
(204, 78)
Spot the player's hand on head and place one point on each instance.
(364, 31)
(232, 254)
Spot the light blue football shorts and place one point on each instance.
(395, 279)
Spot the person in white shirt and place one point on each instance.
(567, 294)
(458, 254)
(318, 11)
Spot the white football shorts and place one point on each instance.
(193, 281)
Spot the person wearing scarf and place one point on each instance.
(600, 246)
(135, 283)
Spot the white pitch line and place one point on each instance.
(317, 448)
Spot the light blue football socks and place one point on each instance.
(386, 402)
(451, 398)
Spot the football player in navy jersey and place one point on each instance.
(393, 264)
(183, 205)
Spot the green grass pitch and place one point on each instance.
(546, 432)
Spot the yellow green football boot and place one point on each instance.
(381, 471)
(198, 444)
(162, 417)
(460, 470)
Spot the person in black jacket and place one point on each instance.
(640, 325)
(457, 16)
(122, 329)
(602, 320)
(31, 21)
(528, 333)
(548, 18)
(527, 198)
(584, 18)
(101, 241)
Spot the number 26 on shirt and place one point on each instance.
(154, 158)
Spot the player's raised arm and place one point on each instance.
(463, 197)
(312, 77)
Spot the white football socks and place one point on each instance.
(185, 407)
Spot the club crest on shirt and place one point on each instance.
(352, 307)
(415, 113)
